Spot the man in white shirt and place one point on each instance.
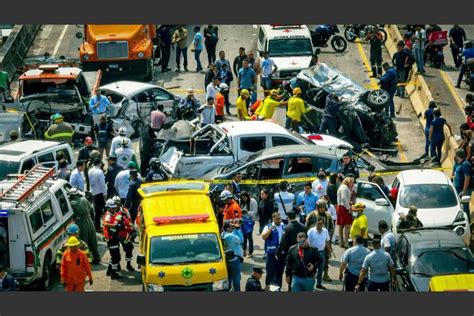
(125, 154)
(98, 190)
(122, 181)
(320, 185)
(117, 140)
(388, 240)
(318, 238)
(212, 88)
(284, 200)
(419, 48)
(76, 179)
(268, 69)
(208, 112)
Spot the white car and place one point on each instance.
(326, 140)
(430, 191)
(5, 30)
(133, 101)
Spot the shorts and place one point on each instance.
(343, 216)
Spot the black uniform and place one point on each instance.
(253, 285)
(110, 176)
(84, 155)
(133, 199)
(290, 236)
(351, 168)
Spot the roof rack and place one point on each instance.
(27, 184)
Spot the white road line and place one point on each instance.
(58, 43)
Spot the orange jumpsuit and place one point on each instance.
(232, 211)
(74, 269)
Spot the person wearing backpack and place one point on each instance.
(104, 134)
(211, 35)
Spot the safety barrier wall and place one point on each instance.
(16, 46)
(420, 96)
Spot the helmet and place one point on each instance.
(273, 92)
(73, 241)
(56, 116)
(110, 204)
(226, 195)
(321, 203)
(94, 154)
(72, 229)
(122, 131)
(296, 91)
(124, 142)
(132, 165)
(223, 86)
(116, 199)
(155, 164)
(244, 92)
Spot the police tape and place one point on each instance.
(295, 180)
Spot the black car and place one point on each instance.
(362, 118)
(424, 253)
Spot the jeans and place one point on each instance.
(456, 58)
(248, 237)
(436, 146)
(391, 106)
(211, 52)
(165, 56)
(302, 284)
(266, 84)
(427, 142)
(350, 281)
(375, 286)
(401, 79)
(226, 99)
(234, 269)
(197, 54)
(288, 122)
(419, 55)
(275, 268)
(183, 51)
(462, 70)
(320, 268)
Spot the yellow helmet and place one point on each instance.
(273, 92)
(73, 241)
(244, 92)
(297, 91)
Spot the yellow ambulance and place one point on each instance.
(452, 283)
(180, 245)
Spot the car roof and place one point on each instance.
(252, 127)
(301, 150)
(128, 88)
(286, 30)
(24, 148)
(425, 176)
(433, 238)
(60, 73)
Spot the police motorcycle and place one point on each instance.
(325, 32)
(469, 70)
(354, 31)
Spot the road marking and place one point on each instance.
(452, 90)
(60, 39)
(374, 85)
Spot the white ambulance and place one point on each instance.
(289, 46)
(35, 211)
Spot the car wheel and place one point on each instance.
(378, 99)
(45, 282)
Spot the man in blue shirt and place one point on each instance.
(98, 105)
(351, 264)
(247, 78)
(468, 53)
(306, 202)
(462, 177)
(388, 82)
(197, 47)
(232, 239)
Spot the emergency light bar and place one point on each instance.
(296, 26)
(163, 220)
(315, 137)
(49, 68)
(3, 213)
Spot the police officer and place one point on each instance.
(253, 282)
(111, 227)
(351, 264)
(133, 199)
(348, 167)
(72, 231)
(60, 131)
(112, 172)
(156, 173)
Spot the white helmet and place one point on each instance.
(223, 86)
(110, 204)
(124, 142)
(122, 131)
(225, 195)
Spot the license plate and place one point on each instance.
(113, 66)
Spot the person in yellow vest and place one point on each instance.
(241, 105)
(266, 110)
(60, 131)
(360, 225)
(295, 109)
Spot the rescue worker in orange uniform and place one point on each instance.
(75, 267)
(232, 209)
(110, 233)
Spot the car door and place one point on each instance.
(249, 145)
(144, 104)
(282, 141)
(378, 206)
(161, 96)
(47, 159)
(401, 263)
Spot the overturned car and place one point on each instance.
(362, 118)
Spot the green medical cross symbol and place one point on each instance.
(187, 273)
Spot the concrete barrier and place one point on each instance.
(420, 96)
(16, 46)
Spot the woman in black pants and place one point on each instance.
(211, 35)
(265, 209)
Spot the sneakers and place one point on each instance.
(319, 286)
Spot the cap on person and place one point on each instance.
(14, 134)
(358, 206)
(190, 92)
(133, 172)
(72, 229)
(73, 241)
(88, 141)
(110, 203)
(257, 270)
(244, 92)
(132, 165)
(297, 91)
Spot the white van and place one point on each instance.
(35, 210)
(289, 46)
(19, 157)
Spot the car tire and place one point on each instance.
(45, 281)
(378, 99)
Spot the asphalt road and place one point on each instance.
(60, 40)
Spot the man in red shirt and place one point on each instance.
(220, 102)
(231, 209)
(157, 118)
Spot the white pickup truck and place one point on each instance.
(219, 145)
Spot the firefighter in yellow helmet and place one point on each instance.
(295, 109)
(60, 131)
(266, 110)
(241, 105)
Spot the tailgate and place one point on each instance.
(17, 239)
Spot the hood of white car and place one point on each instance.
(435, 217)
(289, 63)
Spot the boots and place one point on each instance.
(374, 72)
(129, 267)
(326, 276)
(379, 71)
(115, 276)
(119, 267)
(109, 270)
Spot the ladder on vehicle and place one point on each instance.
(27, 184)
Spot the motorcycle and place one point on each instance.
(469, 74)
(323, 33)
(434, 48)
(354, 31)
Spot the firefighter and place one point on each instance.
(60, 131)
(72, 231)
(111, 227)
(126, 234)
(156, 173)
(75, 267)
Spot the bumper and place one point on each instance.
(119, 67)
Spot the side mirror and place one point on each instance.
(79, 35)
(317, 51)
(400, 271)
(141, 260)
(465, 199)
(382, 202)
